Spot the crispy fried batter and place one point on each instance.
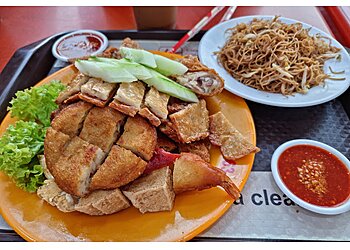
(73, 169)
(71, 99)
(139, 136)
(70, 120)
(191, 123)
(127, 42)
(200, 148)
(176, 107)
(120, 167)
(152, 118)
(112, 52)
(191, 172)
(232, 143)
(102, 127)
(72, 88)
(167, 128)
(157, 102)
(165, 143)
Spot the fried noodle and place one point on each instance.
(276, 57)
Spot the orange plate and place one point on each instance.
(193, 212)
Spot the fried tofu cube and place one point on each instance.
(102, 127)
(165, 143)
(139, 136)
(157, 102)
(153, 192)
(131, 94)
(191, 123)
(72, 88)
(97, 88)
(152, 118)
(232, 143)
(78, 162)
(120, 168)
(70, 119)
(102, 202)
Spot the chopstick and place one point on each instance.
(228, 14)
(197, 28)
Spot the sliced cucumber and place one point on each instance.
(168, 86)
(169, 67)
(106, 71)
(140, 56)
(137, 70)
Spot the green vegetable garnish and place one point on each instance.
(19, 146)
(36, 103)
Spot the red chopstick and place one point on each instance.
(196, 28)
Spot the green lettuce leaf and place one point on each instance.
(36, 103)
(19, 146)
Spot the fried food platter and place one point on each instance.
(193, 211)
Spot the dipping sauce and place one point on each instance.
(79, 45)
(314, 175)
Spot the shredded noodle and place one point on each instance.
(276, 57)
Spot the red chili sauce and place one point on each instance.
(79, 45)
(314, 175)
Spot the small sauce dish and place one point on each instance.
(79, 44)
(314, 175)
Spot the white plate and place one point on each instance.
(215, 39)
(342, 208)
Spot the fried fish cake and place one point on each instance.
(73, 169)
(54, 144)
(70, 119)
(139, 136)
(191, 123)
(102, 127)
(191, 172)
(120, 167)
(232, 143)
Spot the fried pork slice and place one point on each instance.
(191, 123)
(199, 78)
(232, 143)
(157, 102)
(70, 120)
(72, 88)
(152, 118)
(102, 202)
(153, 192)
(120, 168)
(200, 148)
(191, 172)
(73, 169)
(102, 127)
(54, 144)
(97, 91)
(165, 143)
(139, 136)
(129, 98)
(56, 197)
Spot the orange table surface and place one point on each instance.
(20, 26)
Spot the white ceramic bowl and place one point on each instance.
(344, 207)
(94, 32)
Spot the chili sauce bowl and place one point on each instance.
(339, 208)
(79, 44)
